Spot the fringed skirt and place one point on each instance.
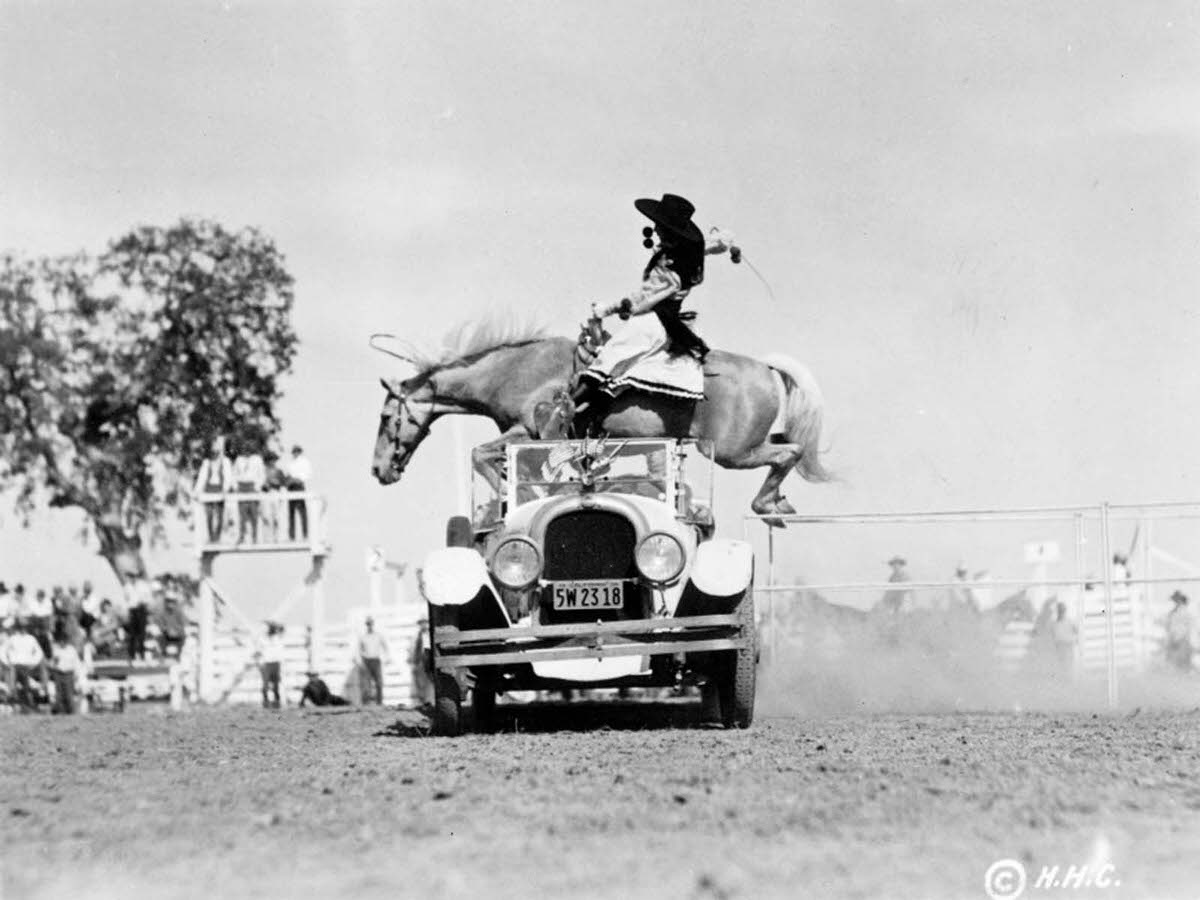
(638, 356)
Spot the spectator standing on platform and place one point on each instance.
(215, 477)
(317, 693)
(65, 665)
(373, 651)
(299, 477)
(1180, 628)
(274, 481)
(895, 600)
(250, 475)
(172, 627)
(271, 665)
(26, 662)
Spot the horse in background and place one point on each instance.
(520, 380)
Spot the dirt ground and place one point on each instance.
(595, 801)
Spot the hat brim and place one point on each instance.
(897, 561)
(652, 210)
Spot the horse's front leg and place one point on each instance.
(488, 458)
(548, 413)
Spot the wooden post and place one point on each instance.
(1106, 542)
(316, 646)
(205, 675)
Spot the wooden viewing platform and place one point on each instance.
(268, 532)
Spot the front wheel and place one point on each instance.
(447, 705)
(736, 671)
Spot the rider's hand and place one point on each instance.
(610, 308)
(721, 239)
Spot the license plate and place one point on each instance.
(588, 594)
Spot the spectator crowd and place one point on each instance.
(51, 638)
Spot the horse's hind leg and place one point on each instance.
(781, 458)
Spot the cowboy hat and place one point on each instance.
(1179, 597)
(671, 215)
(897, 561)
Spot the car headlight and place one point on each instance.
(516, 563)
(660, 557)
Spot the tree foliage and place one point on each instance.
(116, 372)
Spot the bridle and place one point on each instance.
(404, 409)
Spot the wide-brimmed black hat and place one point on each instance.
(673, 215)
(1179, 597)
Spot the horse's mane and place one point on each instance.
(469, 339)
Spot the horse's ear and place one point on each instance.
(392, 386)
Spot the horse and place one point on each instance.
(519, 381)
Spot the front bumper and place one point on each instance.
(455, 648)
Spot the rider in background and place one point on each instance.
(659, 353)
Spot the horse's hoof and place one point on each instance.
(780, 506)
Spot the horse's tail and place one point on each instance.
(803, 412)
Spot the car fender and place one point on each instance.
(454, 576)
(723, 567)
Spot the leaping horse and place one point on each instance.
(520, 381)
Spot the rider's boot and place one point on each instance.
(591, 406)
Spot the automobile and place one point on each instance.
(589, 564)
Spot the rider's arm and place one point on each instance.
(661, 284)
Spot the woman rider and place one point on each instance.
(656, 350)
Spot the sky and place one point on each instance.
(979, 224)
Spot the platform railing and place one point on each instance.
(261, 521)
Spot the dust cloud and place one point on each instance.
(845, 661)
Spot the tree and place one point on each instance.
(117, 372)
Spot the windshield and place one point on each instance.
(616, 466)
(526, 471)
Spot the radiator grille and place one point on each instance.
(589, 543)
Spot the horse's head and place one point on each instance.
(408, 412)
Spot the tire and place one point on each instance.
(459, 532)
(447, 698)
(447, 705)
(736, 672)
(483, 705)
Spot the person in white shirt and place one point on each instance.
(25, 661)
(299, 472)
(249, 474)
(66, 666)
(270, 657)
(215, 477)
(373, 651)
